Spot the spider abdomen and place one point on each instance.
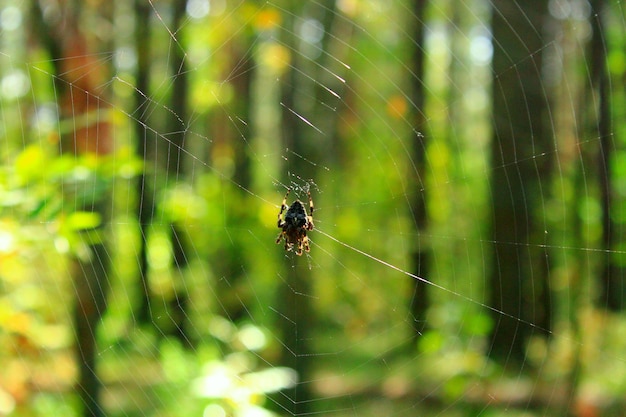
(296, 214)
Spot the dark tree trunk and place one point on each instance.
(521, 161)
(145, 149)
(177, 171)
(297, 320)
(613, 287)
(243, 68)
(230, 133)
(420, 257)
(92, 288)
(298, 316)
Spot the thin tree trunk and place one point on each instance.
(298, 316)
(92, 288)
(420, 258)
(145, 149)
(177, 171)
(229, 138)
(613, 287)
(294, 295)
(521, 153)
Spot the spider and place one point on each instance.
(295, 224)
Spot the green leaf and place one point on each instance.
(30, 164)
(478, 324)
(430, 342)
(82, 220)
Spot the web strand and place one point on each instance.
(432, 284)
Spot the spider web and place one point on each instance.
(357, 341)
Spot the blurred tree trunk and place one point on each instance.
(295, 293)
(299, 83)
(177, 171)
(420, 257)
(613, 287)
(79, 73)
(230, 132)
(521, 163)
(241, 71)
(145, 150)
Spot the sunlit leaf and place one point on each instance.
(215, 384)
(272, 380)
(7, 240)
(31, 163)
(252, 337)
(7, 403)
(617, 62)
(83, 220)
(53, 336)
(175, 363)
(431, 342)
(253, 411)
(275, 57)
(221, 328)
(214, 410)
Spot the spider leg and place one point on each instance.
(280, 236)
(283, 206)
(311, 208)
(310, 217)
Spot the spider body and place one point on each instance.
(295, 224)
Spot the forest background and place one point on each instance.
(465, 159)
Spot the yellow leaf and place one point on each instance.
(267, 19)
(275, 57)
(31, 163)
(397, 106)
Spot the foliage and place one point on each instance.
(45, 221)
(54, 193)
(225, 375)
